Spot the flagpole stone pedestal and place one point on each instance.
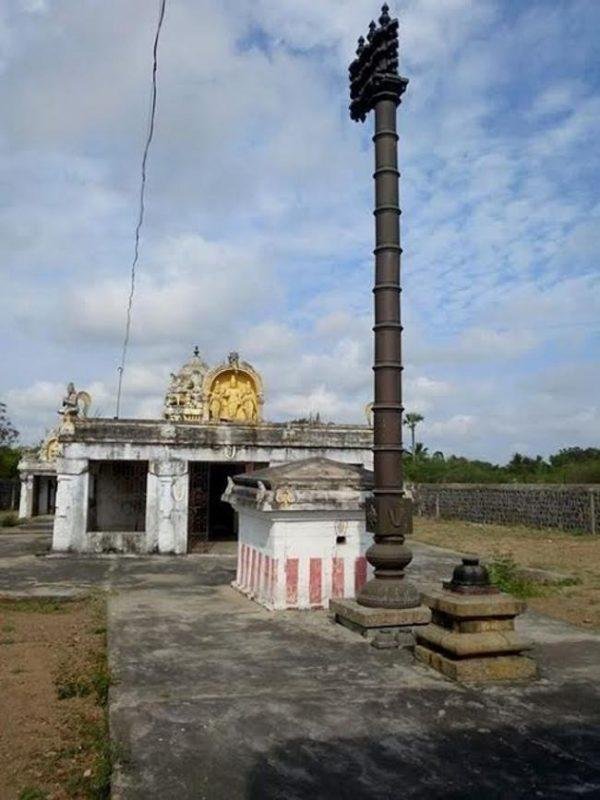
(383, 627)
(472, 637)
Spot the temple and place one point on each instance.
(156, 486)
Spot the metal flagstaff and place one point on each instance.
(375, 85)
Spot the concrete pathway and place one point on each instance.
(217, 698)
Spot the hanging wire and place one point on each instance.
(140, 220)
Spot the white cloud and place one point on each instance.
(460, 425)
(197, 287)
(258, 228)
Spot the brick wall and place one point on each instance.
(574, 507)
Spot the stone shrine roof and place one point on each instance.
(311, 484)
(309, 473)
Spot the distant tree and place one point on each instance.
(523, 467)
(420, 451)
(313, 418)
(8, 433)
(570, 465)
(9, 455)
(411, 420)
(568, 455)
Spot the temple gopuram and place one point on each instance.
(155, 485)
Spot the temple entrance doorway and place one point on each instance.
(44, 495)
(211, 520)
(117, 496)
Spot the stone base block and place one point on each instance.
(460, 606)
(483, 643)
(370, 622)
(492, 669)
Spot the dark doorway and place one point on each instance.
(222, 518)
(117, 495)
(209, 518)
(44, 495)
(198, 505)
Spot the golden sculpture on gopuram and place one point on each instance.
(230, 392)
(233, 397)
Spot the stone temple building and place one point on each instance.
(155, 486)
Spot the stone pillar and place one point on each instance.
(70, 519)
(167, 506)
(26, 498)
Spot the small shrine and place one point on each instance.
(229, 392)
(302, 535)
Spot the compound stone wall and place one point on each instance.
(574, 507)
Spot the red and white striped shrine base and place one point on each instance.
(299, 581)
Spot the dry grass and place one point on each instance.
(577, 556)
(53, 684)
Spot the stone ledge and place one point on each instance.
(473, 606)
(474, 625)
(366, 617)
(479, 670)
(472, 644)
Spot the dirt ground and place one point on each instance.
(577, 556)
(53, 681)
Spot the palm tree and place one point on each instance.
(412, 419)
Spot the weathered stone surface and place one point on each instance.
(474, 606)
(268, 434)
(570, 507)
(379, 617)
(132, 542)
(472, 644)
(479, 670)
(480, 625)
(472, 637)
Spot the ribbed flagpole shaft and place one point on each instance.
(388, 356)
(389, 554)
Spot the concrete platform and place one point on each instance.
(217, 698)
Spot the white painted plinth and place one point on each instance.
(298, 561)
(299, 547)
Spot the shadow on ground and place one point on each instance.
(455, 765)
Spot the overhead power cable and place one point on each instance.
(140, 219)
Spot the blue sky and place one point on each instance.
(259, 232)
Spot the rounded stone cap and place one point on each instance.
(470, 577)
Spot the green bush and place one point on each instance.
(9, 459)
(504, 574)
(10, 520)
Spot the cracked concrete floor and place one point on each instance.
(215, 697)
